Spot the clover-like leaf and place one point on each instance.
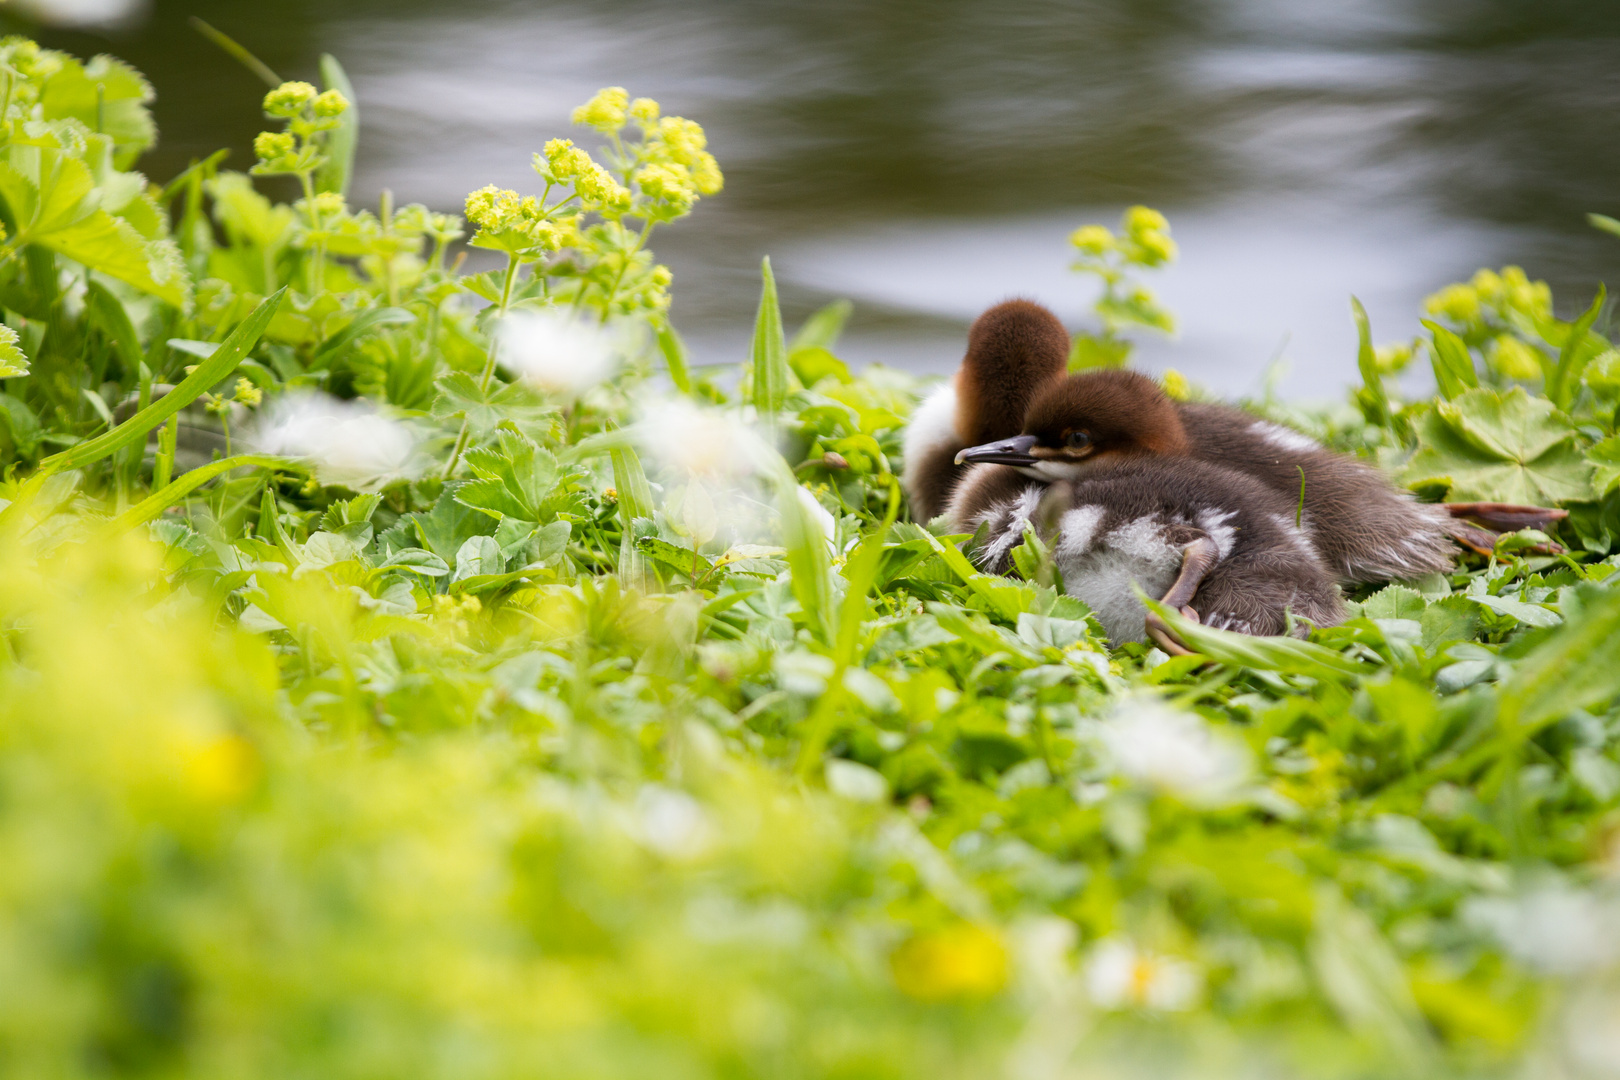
(1492, 447)
(1605, 457)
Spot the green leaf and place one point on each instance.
(1487, 446)
(13, 362)
(1604, 223)
(230, 353)
(111, 245)
(486, 408)
(418, 561)
(1567, 372)
(358, 326)
(1284, 654)
(514, 478)
(635, 495)
(108, 314)
(107, 96)
(1605, 457)
(821, 329)
(1572, 669)
(342, 141)
(674, 353)
(1528, 614)
(769, 367)
(450, 524)
(1374, 400)
(478, 556)
(1394, 602)
(1453, 365)
(167, 496)
(684, 560)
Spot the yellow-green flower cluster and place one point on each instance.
(517, 223)
(684, 144)
(1512, 358)
(289, 99)
(1507, 293)
(606, 111)
(1143, 239)
(562, 162)
(308, 113)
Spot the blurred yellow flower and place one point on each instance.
(961, 961)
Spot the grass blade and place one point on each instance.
(1564, 376)
(635, 495)
(231, 352)
(237, 52)
(674, 352)
(337, 170)
(1374, 400)
(166, 496)
(769, 366)
(1453, 366)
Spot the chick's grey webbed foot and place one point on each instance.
(1197, 559)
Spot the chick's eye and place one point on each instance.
(1077, 439)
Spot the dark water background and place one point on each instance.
(927, 158)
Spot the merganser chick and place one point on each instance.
(1363, 528)
(1214, 543)
(1013, 349)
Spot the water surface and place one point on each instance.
(926, 159)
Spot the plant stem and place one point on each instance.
(489, 365)
(317, 267)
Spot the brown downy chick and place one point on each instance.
(1363, 528)
(1013, 350)
(1210, 541)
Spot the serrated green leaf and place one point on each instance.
(486, 408)
(1493, 447)
(106, 96)
(1394, 602)
(13, 364)
(514, 477)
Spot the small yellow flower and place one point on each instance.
(566, 160)
(331, 103)
(329, 202)
(644, 111)
(706, 175)
(1176, 385)
(1092, 239)
(1142, 219)
(490, 207)
(289, 99)
(219, 770)
(671, 182)
(247, 393)
(1156, 247)
(1459, 303)
(270, 145)
(1393, 358)
(683, 138)
(1513, 358)
(605, 111)
(959, 961)
(598, 189)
